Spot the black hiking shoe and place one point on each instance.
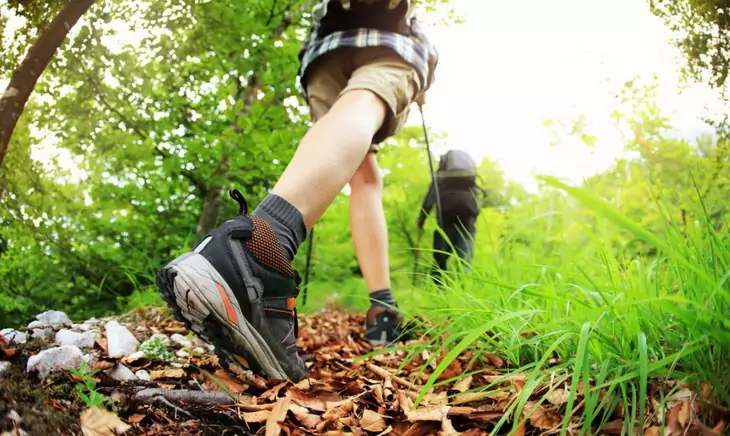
(382, 326)
(237, 291)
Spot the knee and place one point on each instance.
(367, 176)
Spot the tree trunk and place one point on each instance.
(26, 76)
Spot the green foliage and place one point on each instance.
(86, 390)
(704, 29)
(156, 349)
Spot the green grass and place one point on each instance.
(613, 321)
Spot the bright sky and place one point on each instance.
(514, 64)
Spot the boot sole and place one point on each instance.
(199, 297)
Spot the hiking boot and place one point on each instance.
(382, 326)
(237, 290)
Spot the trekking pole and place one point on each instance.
(307, 265)
(430, 164)
(416, 256)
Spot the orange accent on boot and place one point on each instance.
(291, 303)
(230, 311)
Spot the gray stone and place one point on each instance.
(14, 336)
(4, 366)
(143, 375)
(41, 333)
(181, 340)
(55, 360)
(81, 340)
(120, 341)
(53, 317)
(121, 373)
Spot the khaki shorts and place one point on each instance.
(377, 69)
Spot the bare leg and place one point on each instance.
(367, 222)
(330, 153)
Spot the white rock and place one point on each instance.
(143, 375)
(199, 350)
(53, 317)
(177, 364)
(181, 340)
(182, 353)
(121, 373)
(91, 321)
(14, 336)
(14, 416)
(54, 360)
(136, 355)
(41, 333)
(83, 327)
(140, 328)
(120, 341)
(4, 366)
(81, 340)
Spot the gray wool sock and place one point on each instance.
(286, 222)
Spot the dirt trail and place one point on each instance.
(193, 395)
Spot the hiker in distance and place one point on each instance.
(456, 180)
(363, 65)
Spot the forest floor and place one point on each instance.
(186, 392)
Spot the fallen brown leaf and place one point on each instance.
(477, 396)
(519, 431)
(558, 396)
(673, 418)
(7, 352)
(428, 414)
(453, 370)
(371, 421)
(101, 342)
(273, 393)
(227, 380)
(719, 427)
(464, 384)
(99, 422)
(613, 427)
(167, 373)
(278, 414)
(306, 399)
(136, 418)
(684, 414)
(540, 417)
(496, 361)
(256, 417)
(308, 420)
(652, 431)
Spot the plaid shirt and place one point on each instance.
(416, 49)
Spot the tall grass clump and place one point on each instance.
(573, 306)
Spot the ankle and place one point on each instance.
(286, 222)
(382, 298)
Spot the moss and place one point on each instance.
(29, 399)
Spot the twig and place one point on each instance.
(184, 396)
(380, 372)
(163, 401)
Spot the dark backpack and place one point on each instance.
(386, 15)
(457, 184)
(457, 170)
